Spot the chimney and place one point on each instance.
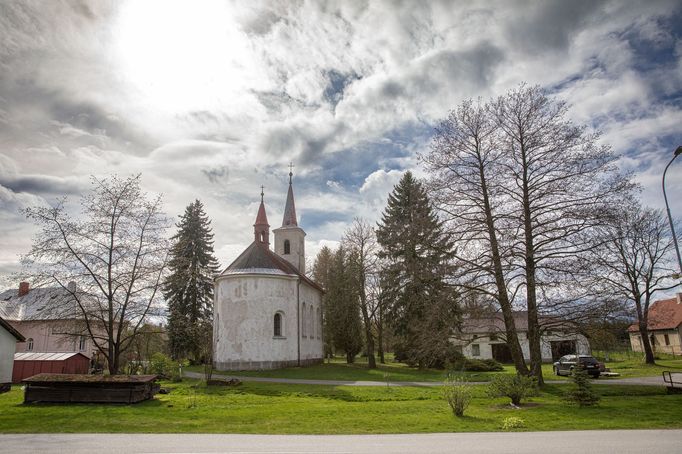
(23, 288)
(679, 298)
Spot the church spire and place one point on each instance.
(261, 229)
(290, 208)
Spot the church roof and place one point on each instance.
(289, 219)
(259, 259)
(261, 218)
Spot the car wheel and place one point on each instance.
(556, 372)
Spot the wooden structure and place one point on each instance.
(29, 364)
(125, 389)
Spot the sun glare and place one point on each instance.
(183, 55)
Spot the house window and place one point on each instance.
(666, 339)
(475, 350)
(82, 343)
(29, 344)
(278, 324)
(287, 247)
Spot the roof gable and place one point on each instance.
(10, 329)
(663, 314)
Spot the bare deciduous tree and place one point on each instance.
(115, 256)
(360, 241)
(465, 169)
(635, 262)
(560, 181)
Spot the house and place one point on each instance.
(665, 327)
(267, 313)
(484, 337)
(46, 319)
(8, 344)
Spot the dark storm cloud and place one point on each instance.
(43, 184)
(550, 26)
(217, 174)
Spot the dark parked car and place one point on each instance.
(566, 364)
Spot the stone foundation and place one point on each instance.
(264, 365)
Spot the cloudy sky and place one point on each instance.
(210, 99)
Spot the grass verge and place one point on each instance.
(267, 408)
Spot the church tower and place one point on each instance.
(290, 238)
(261, 229)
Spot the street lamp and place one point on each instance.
(678, 152)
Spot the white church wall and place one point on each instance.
(311, 344)
(296, 238)
(245, 307)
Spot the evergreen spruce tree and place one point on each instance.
(189, 288)
(422, 307)
(322, 269)
(341, 309)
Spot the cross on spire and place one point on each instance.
(261, 192)
(291, 171)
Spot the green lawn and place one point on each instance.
(298, 409)
(626, 366)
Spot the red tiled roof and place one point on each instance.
(663, 314)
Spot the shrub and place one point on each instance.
(476, 365)
(165, 367)
(457, 393)
(513, 422)
(581, 392)
(436, 357)
(516, 387)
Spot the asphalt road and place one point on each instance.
(598, 441)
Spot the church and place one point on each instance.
(267, 314)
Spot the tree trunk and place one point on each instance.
(531, 294)
(380, 337)
(503, 297)
(350, 359)
(646, 343)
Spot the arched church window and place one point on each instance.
(319, 322)
(287, 247)
(311, 320)
(262, 237)
(304, 330)
(278, 324)
(29, 344)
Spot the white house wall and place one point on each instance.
(486, 351)
(8, 345)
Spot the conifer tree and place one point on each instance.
(343, 316)
(421, 305)
(189, 288)
(321, 273)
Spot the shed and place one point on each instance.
(28, 364)
(8, 342)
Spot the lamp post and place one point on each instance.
(678, 152)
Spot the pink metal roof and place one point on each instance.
(45, 356)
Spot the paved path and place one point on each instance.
(601, 441)
(646, 381)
